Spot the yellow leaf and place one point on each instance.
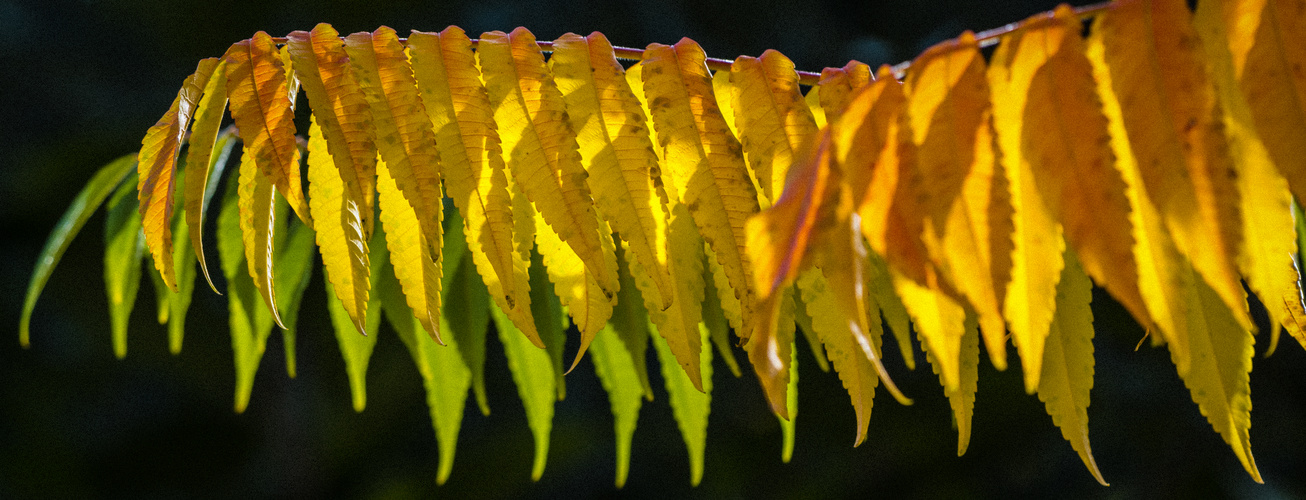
(855, 371)
(962, 398)
(542, 150)
(891, 308)
(340, 234)
(940, 323)
(678, 324)
(704, 167)
(1161, 278)
(966, 206)
(1057, 135)
(264, 115)
(472, 166)
(322, 67)
(257, 218)
(1264, 41)
(613, 136)
(404, 136)
(1172, 116)
(838, 86)
(1068, 362)
(418, 270)
(157, 167)
(200, 161)
(1265, 259)
(1220, 350)
(773, 121)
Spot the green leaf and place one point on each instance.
(162, 300)
(787, 426)
(444, 374)
(124, 244)
(294, 269)
(630, 322)
(619, 373)
(718, 328)
(355, 348)
(467, 312)
(550, 321)
(534, 373)
(249, 320)
(84, 205)
(688, 405)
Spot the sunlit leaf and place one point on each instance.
(689, 404)
(356, 345)
(124, 246)
(533, 372)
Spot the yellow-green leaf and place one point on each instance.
(620, 375)
(105, 181)
(356, 345)
(630, 322)
(962, 398)
(855, 370)
(1068, 362)
(444, 375)
(294, 271)
(256, 197)
(250, 321)
(789, 426)
(1220, 350)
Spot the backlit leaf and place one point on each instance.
(1173, 120)
(773, 121)
(962, 399)
(855, 371)
(404, 136)
(356, 345)
(124, 247)
(340, 235)
(322, 67)
(264, 115)
(704, 167)
(966, 205)
(1068, 362)
(541, 147)
(417, 268)
(206, 158)
(615, 148)
(472, 165)
(157, 170)
(689, 404)
(256, 195)
(1265, 259)
(248, 319)
(533, 372)
(1053, 129)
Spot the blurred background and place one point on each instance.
(82, 82)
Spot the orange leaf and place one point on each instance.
(264, 115)
(157, 170)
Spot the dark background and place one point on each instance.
(83, 80)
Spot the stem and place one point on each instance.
(986, 38)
